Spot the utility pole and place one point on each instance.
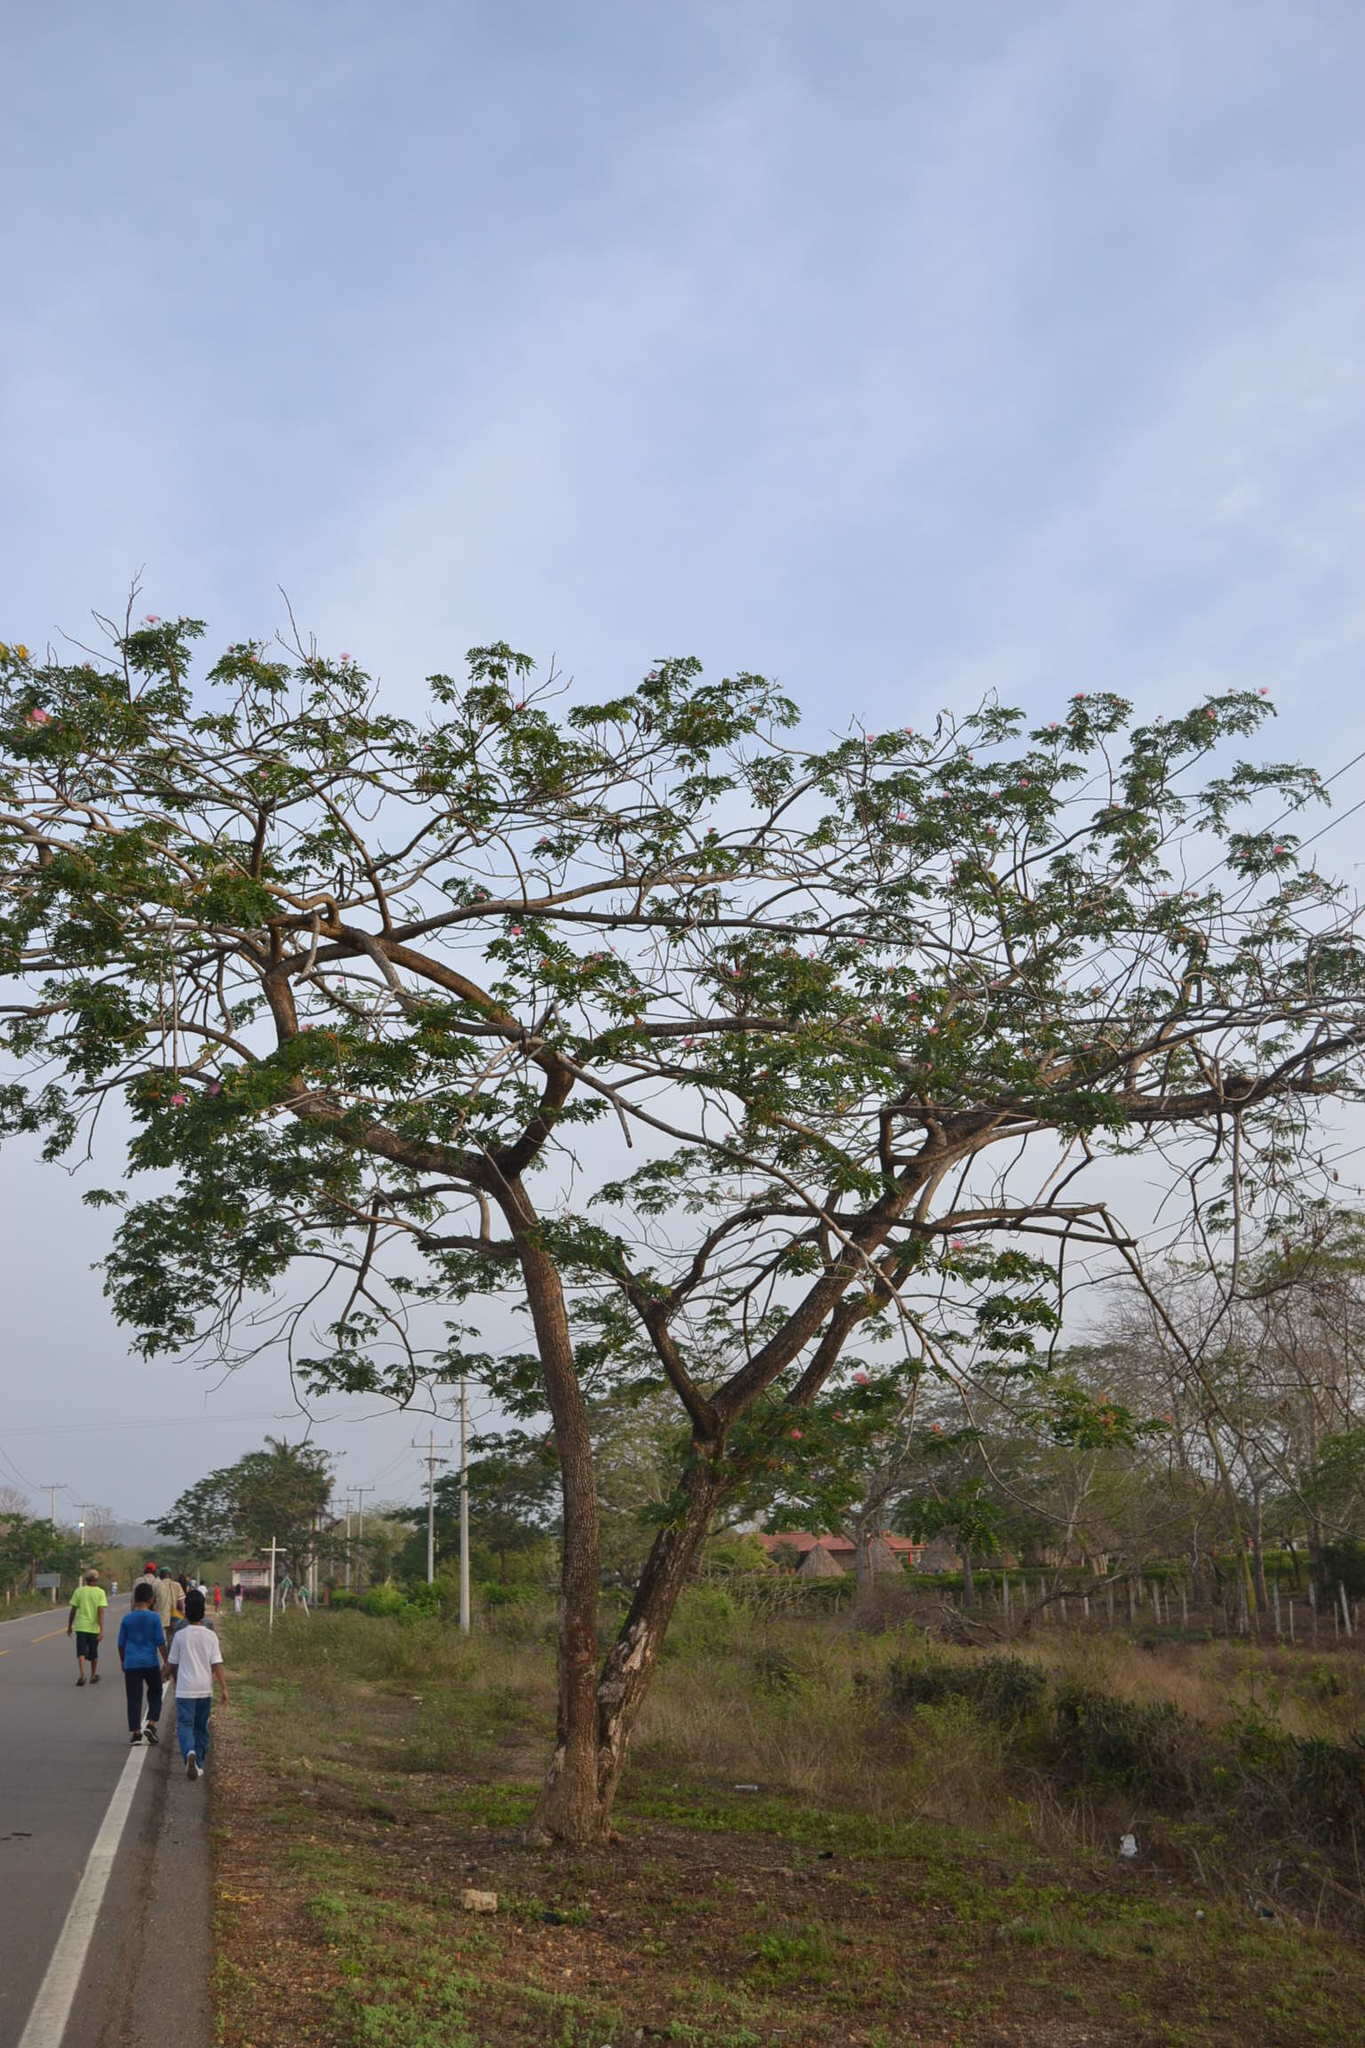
(431, 1460)
(464, 1505)
(348, 1541)
(52, 1492)
(360, 1492)
(270, 1624)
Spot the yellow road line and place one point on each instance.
(33, 1639)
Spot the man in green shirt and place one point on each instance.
(88, 1603)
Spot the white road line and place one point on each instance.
(57, 1992)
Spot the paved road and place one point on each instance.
(62, 1749)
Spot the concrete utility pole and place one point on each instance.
(431, 1460)
(464, 1506)
(270, 1624)
(52, 1492)
(361, 1492)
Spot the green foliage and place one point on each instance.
(275, 1494)
(30, 1544)
(1005, 1690)
(363, 983)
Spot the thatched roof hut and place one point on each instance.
(818, 1564)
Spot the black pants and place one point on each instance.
(133, 1682)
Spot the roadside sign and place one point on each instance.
(48, 1582)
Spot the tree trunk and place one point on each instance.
(568, 1801)
(583, 1814)
(968, 1581)
(629, 1664)
(864, 1580)
(1258, 1554)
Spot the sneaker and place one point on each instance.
(81, 1679)
(151, 1733)
(191, 1766)
(94, 1678)
(135, 1740)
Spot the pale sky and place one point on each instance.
(900, 351)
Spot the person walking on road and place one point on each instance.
(217, 1599)
(141, 1647)
(236, 1599)
(170, 1601)
(195, 1659)
(86, 1616)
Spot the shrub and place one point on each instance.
(1004, 1690)
(705, 1624)
(383, 1600)
(1148, 1748)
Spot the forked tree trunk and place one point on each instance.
(580, 1787)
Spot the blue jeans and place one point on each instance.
(192, 1726)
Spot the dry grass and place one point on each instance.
(899, 1877)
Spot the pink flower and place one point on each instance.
(1024, 782)
(1281, 849)
(152, 619)
(959, 1244)
(214, 1088)
(861, 1379)
(1053, 725)
(796, 1435)
(933, 1031)
(179, 1101)
(1209, 711)
(39, 717)
(345, 657)
(1079, 697)
(1263, 693)
(517, 930)
(935, 1429)
(909, 731)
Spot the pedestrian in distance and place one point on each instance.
(195, 1660)
(86, 1616)
(170, 1600)
(147, 1576)
(236, 1599)
(141, 1648)
(217, 1599)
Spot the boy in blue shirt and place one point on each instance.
(141, 1646)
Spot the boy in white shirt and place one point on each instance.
(195, 1660)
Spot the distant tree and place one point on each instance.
(276, 1494)
(378, 996)
(29, 1545)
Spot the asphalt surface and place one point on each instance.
(62, 1748)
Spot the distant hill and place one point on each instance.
(135, 1536)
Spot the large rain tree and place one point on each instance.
(767, 1074)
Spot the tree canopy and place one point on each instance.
(273, 1495)
(711, 1051)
